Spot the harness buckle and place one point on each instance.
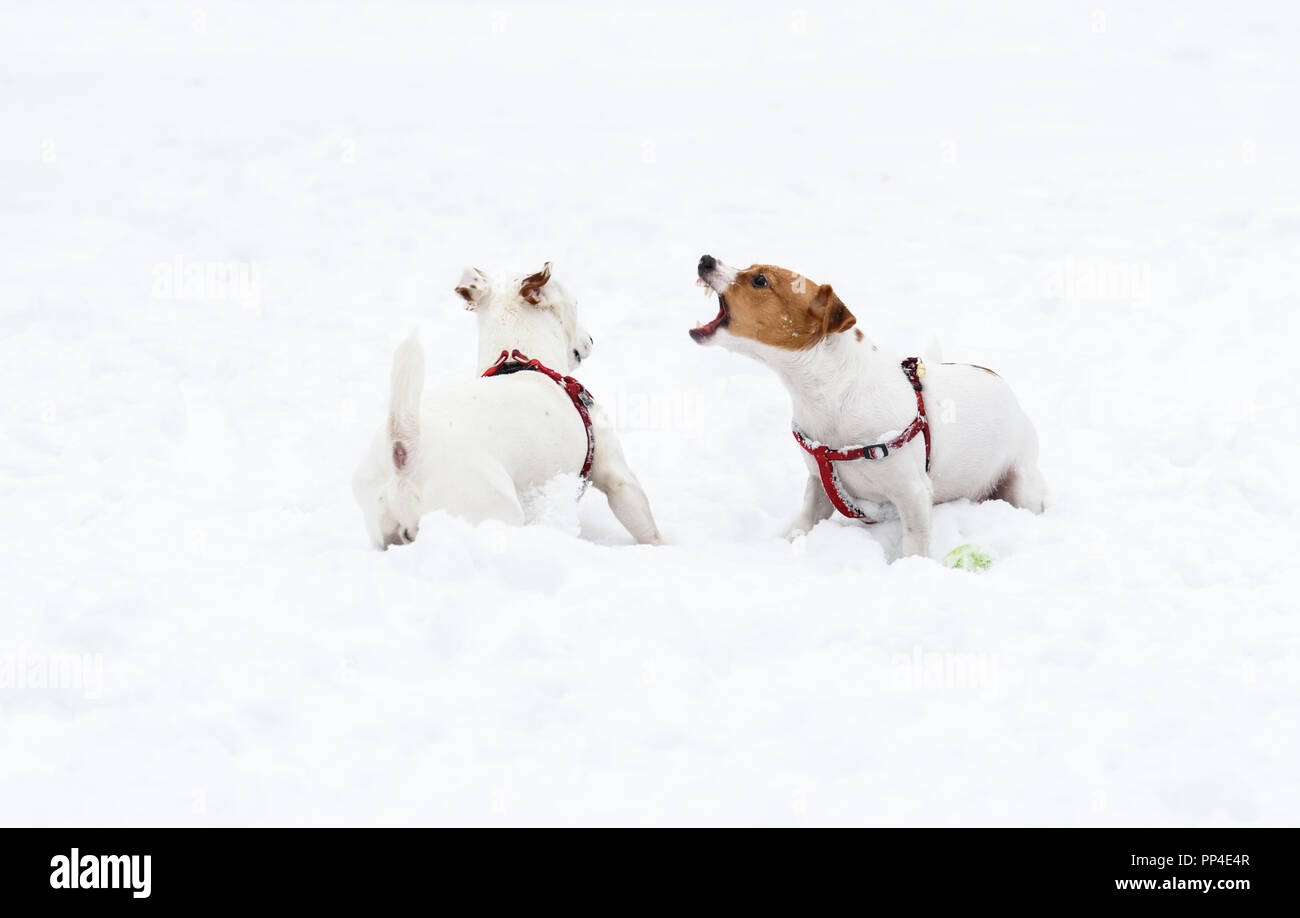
(870, 452)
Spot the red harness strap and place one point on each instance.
(514, 362)
(826, 457)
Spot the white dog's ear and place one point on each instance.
(530, 288)
(474, 288)
(404, 404)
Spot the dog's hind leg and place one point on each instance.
(1022, 486)
(480, 493)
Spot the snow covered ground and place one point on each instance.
(218, 220)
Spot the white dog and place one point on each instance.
(473, 448)
(860, 414)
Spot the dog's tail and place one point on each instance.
(404, 402)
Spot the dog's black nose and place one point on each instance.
(707, 264)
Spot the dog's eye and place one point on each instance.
(759, 280)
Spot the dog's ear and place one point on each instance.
(530, 288)
(834, 314)
(474, 288)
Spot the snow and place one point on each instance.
(219, 221)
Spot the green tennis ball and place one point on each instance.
(969, 558)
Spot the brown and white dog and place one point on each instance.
(848, 392)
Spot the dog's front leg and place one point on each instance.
(816, 507)
(612, 477)
(915, 503)
(629, 503)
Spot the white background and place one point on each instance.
(1100, 201)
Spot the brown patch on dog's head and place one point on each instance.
(782, 309)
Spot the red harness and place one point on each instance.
(825, 456)
(514, 362)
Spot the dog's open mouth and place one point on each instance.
(705, 332)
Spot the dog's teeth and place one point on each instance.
(708, 291)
